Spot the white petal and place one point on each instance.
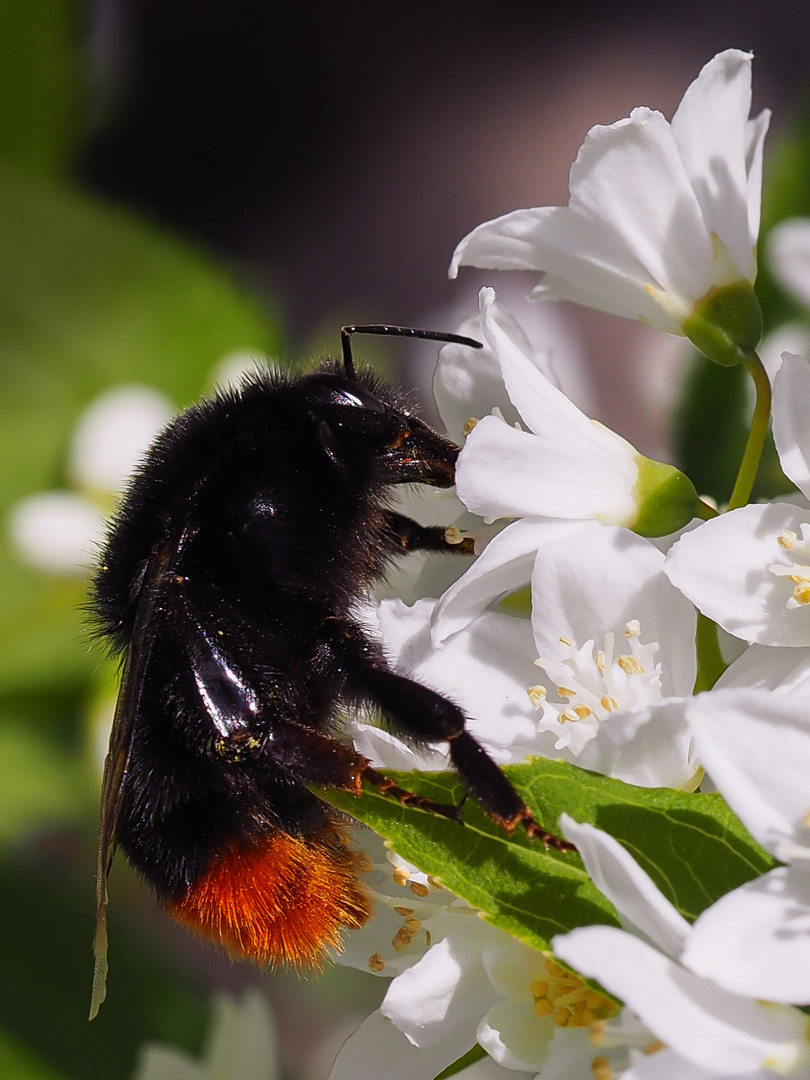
(379, 1049)
(443, 996)
(504, 566)
(768, 668)
(792, 337)
(564, 472)
(699, 1020)
(788, 247)
(114, 434)
(512, 967)
(649, 748)
(631, 890)
(538, 401)
(596, 580)
(756, 747)
(723, 566)
(667, 1065)
(711, 128)
(756, 939)
(571, 1056)
(757, 130)
(514, 1035)
(791, 407)
(386, 751)
(487, 671)
(57, 531)
(468, 382)
(632, 173)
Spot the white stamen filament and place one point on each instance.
(592, 684)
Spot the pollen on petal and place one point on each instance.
(284, 899)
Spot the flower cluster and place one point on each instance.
(614, 621)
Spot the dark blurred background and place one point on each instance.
(336, 153)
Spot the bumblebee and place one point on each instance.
(229, 584)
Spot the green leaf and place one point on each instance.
(22, 1063)
(39, 781)
(692, 846)
(474, 1054)
(528, 891)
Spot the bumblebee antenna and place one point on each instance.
(395, 331)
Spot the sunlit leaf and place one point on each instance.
(692, 845)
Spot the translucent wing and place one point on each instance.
(117, 761)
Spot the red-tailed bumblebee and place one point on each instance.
(229, 582)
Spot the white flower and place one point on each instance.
(749, 570)
(598, 676)
(659, 212)
(469, 382)
(61, 531)
(788, 250)
(564, 466)
(704, 1029)
(241, 1043)
(755, 746)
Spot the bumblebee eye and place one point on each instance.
(348, 397)
(326, 391)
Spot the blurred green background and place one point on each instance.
(93, 294)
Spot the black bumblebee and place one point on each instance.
(228, 582)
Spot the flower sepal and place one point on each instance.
(666, 498)
(726, 325)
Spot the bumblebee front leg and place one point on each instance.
(409, 535)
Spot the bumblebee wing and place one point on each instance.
(117, 760)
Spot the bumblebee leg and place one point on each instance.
(315, 758)
(421, 716)
(386, 786)
(408, 535)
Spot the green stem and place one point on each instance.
(711, 664)
(756, 436)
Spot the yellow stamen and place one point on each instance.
(630, 665)
(537, 695)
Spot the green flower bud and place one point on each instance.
(726, 325)
(665, 497)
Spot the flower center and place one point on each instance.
(593, 684)
(569, 1001)
(798, 573)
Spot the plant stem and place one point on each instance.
(711, 664)
(756, 436)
